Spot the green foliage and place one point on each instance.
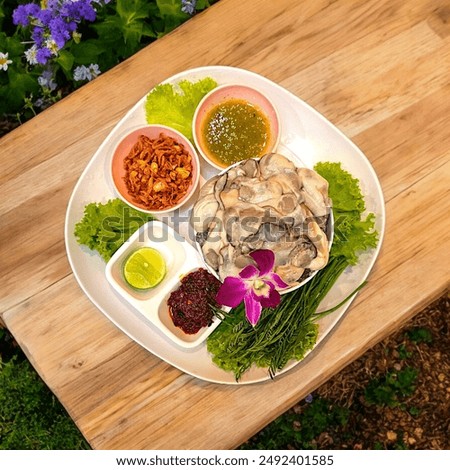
(389, 389)
(6, 9)
(400, 445)
(17, 82)
(395, 385)
(353, 233)
(171, 14)
(30, 415)
(403, 352)
(420, 335)
(299, 430)
(121, 28)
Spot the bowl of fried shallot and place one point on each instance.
(155, 169)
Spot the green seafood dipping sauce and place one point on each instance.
(235, 130)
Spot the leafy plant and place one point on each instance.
(403, 352)
(420, 335)
(8, 347)
(48, 49)
(353, 232)
(414, 411)
(388, 390)
(165, 105)
(106, 227)
(30, 415)
(299, 430)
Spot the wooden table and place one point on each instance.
(378, 69)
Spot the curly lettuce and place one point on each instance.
(105, 227)
(165, 105)
(353, 233)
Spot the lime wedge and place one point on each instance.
(144, 268)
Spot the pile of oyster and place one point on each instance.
(264, 204)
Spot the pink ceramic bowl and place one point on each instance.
(223, 94)
(124, 147)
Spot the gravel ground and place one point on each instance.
(396, 396)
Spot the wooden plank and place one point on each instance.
(355, 95)
(414, 143)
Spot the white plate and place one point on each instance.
(305, 133)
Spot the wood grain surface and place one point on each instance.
(377, 69)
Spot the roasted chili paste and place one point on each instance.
(189, 305)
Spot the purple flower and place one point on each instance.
(46, 80)
(22, 14)
(86, 73)
(44, 17)
(188, 6)
(256, 286)
(53, 24)
(54, 4)
(37, 36)
(42, 55)
(39, 103)
(81, 10)
(60, 31)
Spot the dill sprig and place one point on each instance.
(285, 332)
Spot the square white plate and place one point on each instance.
(305, 133)
(180, 257)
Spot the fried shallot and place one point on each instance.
(158, 172)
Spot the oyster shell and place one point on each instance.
(264, 204)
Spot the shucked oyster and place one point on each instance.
(264, 204)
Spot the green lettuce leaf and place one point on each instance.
(105, 227)
(353, 236)
(164, 105)
(343, 189)
(353, 233)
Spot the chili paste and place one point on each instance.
(189, 305)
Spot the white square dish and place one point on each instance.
(180, 258)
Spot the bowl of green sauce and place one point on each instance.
(233, 123)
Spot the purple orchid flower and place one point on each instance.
(256, 286)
